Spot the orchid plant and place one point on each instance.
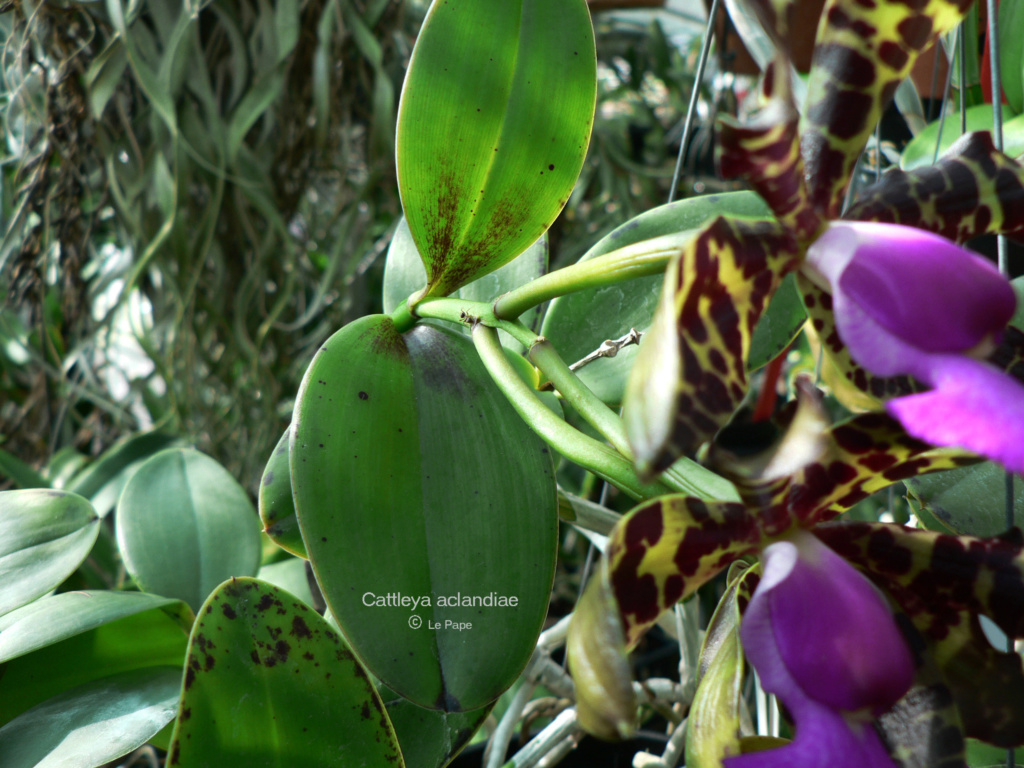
(434, 449)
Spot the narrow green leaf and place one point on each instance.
(18, 472)
(778, 327)
(428, 738)
(921, 149)
(395, 460)
(1011, 52)
(95, 723)
(44, 536)
(493, 128)
(968, 500)
(67, 640)
(269, 683)
(184, 525)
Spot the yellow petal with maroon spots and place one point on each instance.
(973, 190)
(764, 151)
(864, 50)
(690, 373)
(943, 582)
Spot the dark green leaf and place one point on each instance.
(269, 683)
(277, 509)
(405, 453)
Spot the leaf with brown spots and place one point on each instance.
(973, 190)
(691, 371)
(493, 128)
(275, 687)
(943, 583)
(864, 50)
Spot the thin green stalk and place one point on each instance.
(580, 396)
(571, 443)
(464, 311)
(647, 257)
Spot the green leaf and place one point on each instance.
(103, 480)
(277, 509)
(439, 479)
(578, 323)
(493, 128)
(778, 326)
(44, 537)
(428, 738)
(66, 640)
(94, 723)
(921, 150)
(404, 274)
(968, 500)
(1011, 52)
(20, 473)
(714, 721)
(269, 683)
(184, 525)
(289, 575)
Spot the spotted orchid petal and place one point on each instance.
(910, 302)
(824, 640)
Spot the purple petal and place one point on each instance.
(974, 405)
(920, 287)
(823, 640)
(833, 630)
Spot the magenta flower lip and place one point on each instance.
(823, 639)
(908, 302)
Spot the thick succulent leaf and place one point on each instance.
(396, 459)
(923, 729)
(764, 150)
(94, 723)
(44, 537)
(429, 738)
(969, 500)
(691, 371)
(404, 274)
(493, 129)
(862, 54)
(184, 524)
(972, 191)
(666, 548)
(942, 583)
(269, 683)
(713, 725)
(70, 639)
(579, 322)
(277, 509)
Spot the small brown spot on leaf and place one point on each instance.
(229, 612)
(363, 396)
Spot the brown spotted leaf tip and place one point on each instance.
(864, 50)
(973, 190)
(690, 373)
(943, 583)
(765, 151)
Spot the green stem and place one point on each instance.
(580, 396)
(467, 312)
(571, 443)
(647, 257)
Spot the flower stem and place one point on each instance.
(647, 257)
(590, 454)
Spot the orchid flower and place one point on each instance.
(908, 302)
(823, 639)
(814, 631)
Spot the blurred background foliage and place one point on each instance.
(194, 195)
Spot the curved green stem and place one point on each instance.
(456, 310)
(647, 257)
(580, 396)
(590, 454)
